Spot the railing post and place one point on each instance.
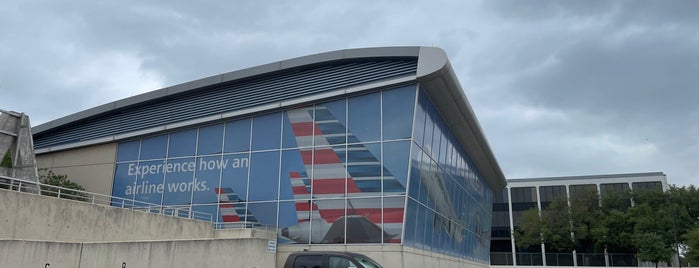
(59, 192)
(93, 198)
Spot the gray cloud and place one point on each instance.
(560, 87)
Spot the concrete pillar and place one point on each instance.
(16, 139)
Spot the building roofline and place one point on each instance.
(442, 86)
(587, 177)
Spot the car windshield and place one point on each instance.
(365, 261)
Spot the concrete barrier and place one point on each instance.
(22, 253)
(35, 217)
(176, 253)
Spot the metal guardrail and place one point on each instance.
(21, 185)
(244, 225)
(564, 259)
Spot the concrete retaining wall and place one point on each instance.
(19, 253)
(35, 217)
(179, 253)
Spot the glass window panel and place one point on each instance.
(393, 210)
(420, 114)
(234, 178)
(124, 183)
(582, 190)
(364, 216)
(207, 178)
(426, 173)
(330, 120)
(182, 143)
(398, 112)
(430, 228)
(410, 223)
(293, 222)
(550, 193)
(128, 151)
(296, 228)
(365, 117)
(153, 147)
(232, 210)
(431, 132)
(299, 128)
(327, 223)
(650, 185)
(264, 176)
(205, 212)
(435, 186)
(294, 182)
(210, 140)
(613, 188)
(237, 136)
(264, 214)
(396, 158)
(443, 143)
(149, 183)
(287, 214)
(266, 131)
(179, 181)
(364, 167)
(415, 170)
(420, 227)
(329, 174)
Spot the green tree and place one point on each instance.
(587, 219)
(692, 242)
(661, 214)
(552, 227)
(683, 205)
(71, 190)
(617, 228)
(650, 250)
(667, 219)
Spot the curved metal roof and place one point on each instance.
(276, 85)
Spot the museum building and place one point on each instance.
(366, 148)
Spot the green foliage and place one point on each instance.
(53, 179)
(586, 218)
(650, 250)
(692, 240)
(557, 230)
(530, 232)
(6, 160)
(654, 227)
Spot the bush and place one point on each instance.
(54, 179)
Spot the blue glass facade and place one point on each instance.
(449, 199)
(340, 171)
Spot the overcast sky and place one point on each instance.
(561, 88)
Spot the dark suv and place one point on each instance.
(329, 259)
